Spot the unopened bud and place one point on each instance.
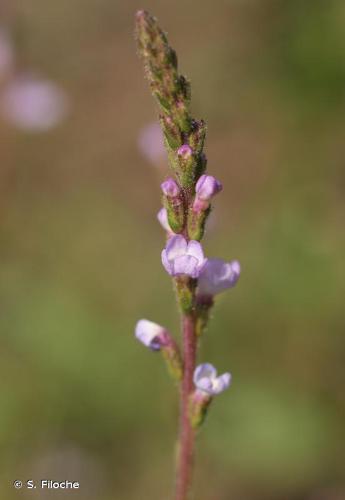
(170, 188)
(173, 202)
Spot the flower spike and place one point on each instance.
(186, 198)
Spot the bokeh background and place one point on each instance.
(80, 399)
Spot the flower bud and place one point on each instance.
(173, 202)
(170, 188)
(185, 152)
(150, 334)
(206, 187)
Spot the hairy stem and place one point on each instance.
(186, 437)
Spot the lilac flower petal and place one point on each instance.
(200, 183)
(205, 384)
(206, 380)
(221, 383)
(218, 275)
(166, 263)
(185, 151)
(207, 186)
(204, 370)
(176, 247)
(162, 217)
(236, 268)
(170, 188)
(195, 249)
(185, 264)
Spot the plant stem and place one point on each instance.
(186, 436)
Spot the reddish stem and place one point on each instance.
(186, 437)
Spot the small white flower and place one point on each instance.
(206, 380)
(149, 334)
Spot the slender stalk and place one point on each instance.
(187, 435)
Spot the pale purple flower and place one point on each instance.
(33, 104)
(150, 334)
(162, 217)
(6, 52)
(170, 188)
(151, 144)
(206, 380)
(206, 187)
(185, 151)
(180, 257)
(218, 275)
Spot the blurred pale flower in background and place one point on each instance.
(6, 52)
(34, 104)
(151, 144)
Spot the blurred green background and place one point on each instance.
(80, 254)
